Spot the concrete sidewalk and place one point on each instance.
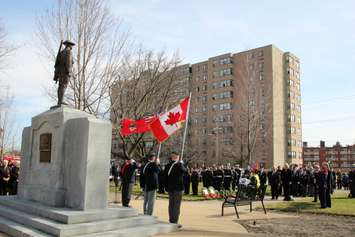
(203, 218)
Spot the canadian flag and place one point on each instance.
(169, 122)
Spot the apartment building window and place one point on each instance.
(225, 61)
(204, 108)
(198, 78)
(197, 89)
(222, 95)
(204, 98)
(298, 120)
(261, 75)
(297, 74)
(225, 72)
(261, 53)
(261, 65)
(215, 62)
(292, 106)
(292, 118)
(251, 55)
(293, 130)
(204, 120)
(205, 77)
(225, 83)
(204, 68)
(204, 88)
(251, 66)
(291, 82)
(225, 106)
(215, 74)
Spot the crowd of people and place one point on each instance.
(9, 173)
(177, 178)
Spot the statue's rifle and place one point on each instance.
(56, 61)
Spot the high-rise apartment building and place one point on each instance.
(245, 106)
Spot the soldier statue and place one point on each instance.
(63, 68)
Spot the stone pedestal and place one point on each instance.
(77, 171)
(64, 182)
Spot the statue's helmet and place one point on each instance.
(68, 43)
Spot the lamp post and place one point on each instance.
(215, 133)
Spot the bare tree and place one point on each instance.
(6, 120)
(147, 85)
(254, 107)
(101, 43)
(5, 48)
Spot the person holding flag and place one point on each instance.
(174, 185)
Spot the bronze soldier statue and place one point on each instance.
(63, 68)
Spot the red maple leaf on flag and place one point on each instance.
(173, 118)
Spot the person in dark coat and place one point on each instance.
(13, 182)
(174, 185)
(227, 172)
(209, 178)
(187, 182)
(275, 181)
(115, 173)
(315, 182)
(149, 181)
(286, 178)
(351, 185)
(325, 183)
(236, 176)
(263, 177)
(161, 180)
(195, 177)
(218, 178)
(127, 178)
(203, 176)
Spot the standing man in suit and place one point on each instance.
(128, 177)
(149, 182)
(174, 184)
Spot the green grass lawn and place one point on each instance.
(341, 205)
(190, 197)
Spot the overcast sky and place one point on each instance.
(320, 33)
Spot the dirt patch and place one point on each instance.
(303, 225)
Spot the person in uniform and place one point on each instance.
(209, 178)
(315, 182)
(127, 175)
(173, 176)
(227, 177)
(275, 181)
(13, 182)
(352, 182)
(218, 178)
(187, 181)
(63, 69)
(149, 180)
(262, 176)
(161, 180)
(195, 177)
(236, 176)
(286, 178)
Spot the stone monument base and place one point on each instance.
(27, 218)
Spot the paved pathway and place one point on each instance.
(203, 218)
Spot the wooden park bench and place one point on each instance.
(243, 197)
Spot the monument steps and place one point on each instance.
(139, 231)
(59, 229)
(17, 230)
(66, 215)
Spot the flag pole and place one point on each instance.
(159, 150)
(186, 125)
